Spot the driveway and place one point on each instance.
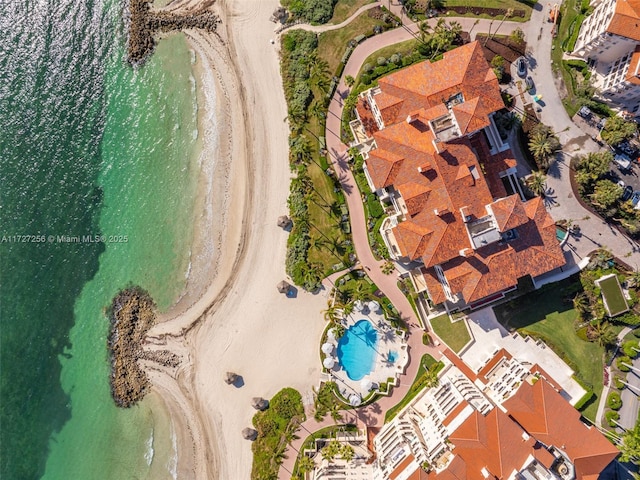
(629, 411)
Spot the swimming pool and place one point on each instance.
(357, 349)
(561, 234)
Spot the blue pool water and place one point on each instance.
(357, 349)
(560, 234)
(392, 356)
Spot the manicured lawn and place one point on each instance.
(332, 44)
(403, 48)
(545, 314)
(325, 232)
(613, 296)
(345, 8)
(515, 4)
(454, 334)
(426, 362)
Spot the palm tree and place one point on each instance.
(301, 149)
(605, 335)
(508, 14)
(333, 313)
(541, 148)
(581, 303)
(347, 453)
(306, 464)
(633, 280)
(318, 111)
(296, 116)
(349, 81)
(537, 183)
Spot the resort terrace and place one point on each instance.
(369, 356)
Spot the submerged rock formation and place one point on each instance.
(132, 314)
(145, 23)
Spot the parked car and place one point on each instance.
(620, 183)
(626, 194)
(521, 65)
(584, 112)
(623, 162)
(529, 83)
(635, 198)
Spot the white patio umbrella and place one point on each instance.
(328, 362)
(355, 400)
(366, 384)
(331, 334)
(327, 348)
(358, 305)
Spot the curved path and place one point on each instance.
(327, 28)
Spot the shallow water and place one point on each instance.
(88, 147)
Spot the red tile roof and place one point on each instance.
(401, 467)
(436, 182)
(633, 73)
(626, 19)
(500, 443)
(553, 421)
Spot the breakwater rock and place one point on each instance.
(132, 314)
(145, 23)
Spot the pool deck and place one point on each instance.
(389, 340)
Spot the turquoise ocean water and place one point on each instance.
(88, 146)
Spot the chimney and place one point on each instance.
(465, 252)
(426, 166)
(412, 117)
(438, 145)
(441, 211)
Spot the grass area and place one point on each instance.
(275, 427)
(545, 314)
(429, 366)
(326, 237)
(454, 334)
(612, 293)
(332, 44)
(501, 4)
(403, 48)
(345, 8)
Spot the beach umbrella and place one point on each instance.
(355, 400)
(328, 362)
(259, 403)
(284, 221)
(331, 334)
(230, 378)
(283, 287)
(249, 434)
(366, 384)
(358, 305)
(327, 348)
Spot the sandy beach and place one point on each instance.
(232, 317)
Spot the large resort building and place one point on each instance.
(458, 215)
(509, 422)
(609, 41)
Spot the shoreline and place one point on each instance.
(240, 322)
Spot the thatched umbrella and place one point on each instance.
(230, 377)
(249, 434)
(259, 403)
(284, 221)
(283, 287)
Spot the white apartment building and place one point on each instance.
(609, 41)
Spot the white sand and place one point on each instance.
(241, 323)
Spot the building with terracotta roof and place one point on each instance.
(609, 41)
(532, 433)
(435, 154)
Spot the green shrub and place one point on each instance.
(381, 61)
(316, 11)
(375, 208)
(426, 339)
(275, 428)
(628, 348)
(585, 399)
(612, 415)
(614, 402)
(620, 363)
(617, 382)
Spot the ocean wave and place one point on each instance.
(172, 464)
(148, 455)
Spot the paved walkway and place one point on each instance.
(327, 28)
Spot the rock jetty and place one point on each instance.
(145, 23)
(132, 314)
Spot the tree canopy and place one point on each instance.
(616, 129)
